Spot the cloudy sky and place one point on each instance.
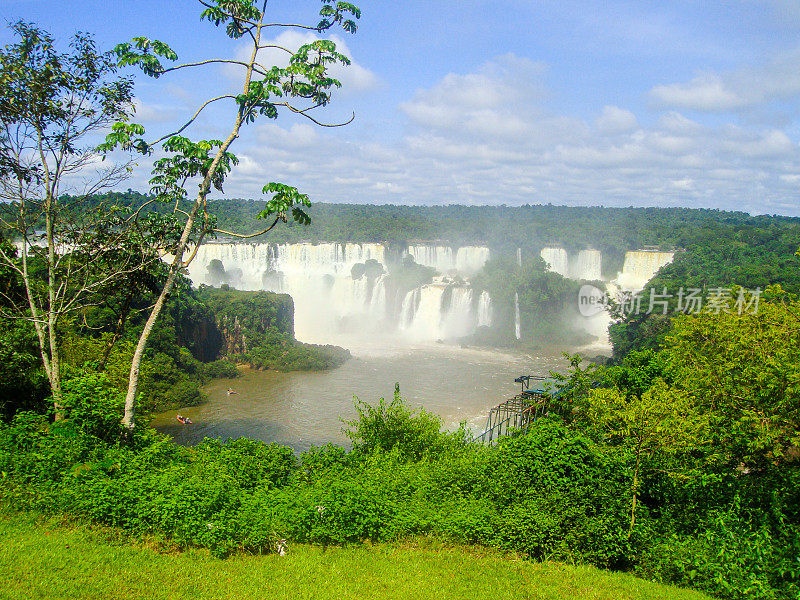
(619, 103)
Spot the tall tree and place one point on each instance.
(267, 90)
(51, 106)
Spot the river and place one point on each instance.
(301, 409)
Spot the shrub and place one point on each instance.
(392, 426)
(221, 369)
(94, 406)
(730, 556)
(558, 496)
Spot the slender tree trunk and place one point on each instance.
(52, 316)
(128, 419)
(635, 487)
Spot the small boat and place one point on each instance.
(231, 392)
(184, 420)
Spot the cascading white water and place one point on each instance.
(467, 260)
(458, 319)
(470, 259)
(557, 260)
(439, 257)
(428, 313)
(377, 302)
(587, 265)
(409, 308)
(317, 276)
(422, 313)
(519, 257)
(517, 321)
(640, 266)
(484, 310)
(328, 301)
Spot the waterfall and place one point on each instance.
(428, 313)
(317, 276)
(588, 265)
(556, 259)
(466, 260)
(484, 310)
(519, 257)
(329, 302)
(377, 300)
(409, 308)
(422, 313)
(517, 323)
(470, 259)
(458, 318)
(439, 257)
(640, 266)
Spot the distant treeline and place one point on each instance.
(502, 228)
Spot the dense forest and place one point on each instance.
(758, 255)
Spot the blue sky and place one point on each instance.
(620, 103)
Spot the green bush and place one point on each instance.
(94, 406)
(552, 493)
(221, 369)
(730, 556)
(390, 426)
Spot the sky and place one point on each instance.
(622, 103)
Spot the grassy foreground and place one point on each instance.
(52, 559)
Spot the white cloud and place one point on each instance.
(153, 113)
(705, 92)
(500, 101)
(615, 120)
(748, 87)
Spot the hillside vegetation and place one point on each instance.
(678, 465)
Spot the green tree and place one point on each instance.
(51, 103)
(660, 424)
(301, 86)
(743, 371)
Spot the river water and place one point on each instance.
(301, 409)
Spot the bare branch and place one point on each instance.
(252, 235)
(304, 113)
(209, 62)
(190, 121)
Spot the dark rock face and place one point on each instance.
(198, 331)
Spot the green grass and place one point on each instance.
(51, 559)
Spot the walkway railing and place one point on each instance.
(518, 413)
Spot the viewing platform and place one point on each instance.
(537, 398)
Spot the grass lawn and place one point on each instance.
(51, 559)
